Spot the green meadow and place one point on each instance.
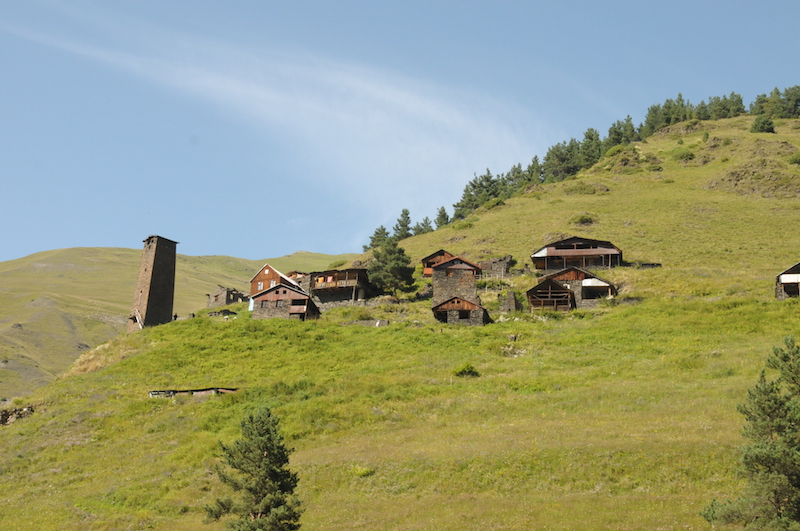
(54, 305)
(618, 417)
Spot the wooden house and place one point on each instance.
(284, 301)
(337, 286)
(268, 277)
(433, 259)
(549, 294)
(461, 311)
(787, 283)
(584, 288)
(584, 284)
(578, 252)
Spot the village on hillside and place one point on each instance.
(565, 281)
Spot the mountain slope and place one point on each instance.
(620, 417)
(56, 304)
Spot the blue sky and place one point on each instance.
(258, 128)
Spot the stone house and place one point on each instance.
(455, 293)
(284, 301)
(460, 311)
(787, 283)
(499, 267)
(223, 296)
(578, 252)
(455, 277)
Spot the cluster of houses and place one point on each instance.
(567, 284)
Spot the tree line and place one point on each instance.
(567, 158)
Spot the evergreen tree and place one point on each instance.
(442, 218)
(534, 170)
(422, 228)
(391, 269)
(771, 462)
(402, 228)
(591, 148)
(266, 486)
(378, 237)
(762, 124)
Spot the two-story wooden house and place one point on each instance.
(578, 252)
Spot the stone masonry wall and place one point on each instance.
(461, 283)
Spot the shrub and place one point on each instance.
(794, 158)
(466, 371)
(682, 154)
(580, 188)
(584, 218)
(491, 203)
(762, 124)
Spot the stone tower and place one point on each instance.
(155, 289)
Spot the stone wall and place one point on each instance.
(509, 302)
(477, 317)
(454, 283)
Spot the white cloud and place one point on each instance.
(393, 139)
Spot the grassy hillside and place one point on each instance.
(56, 304)
(621, 417)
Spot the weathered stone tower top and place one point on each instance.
(155, 289)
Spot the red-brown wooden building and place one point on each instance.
(578, 252)
(430, 261)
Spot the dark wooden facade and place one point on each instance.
(577, 252)
(284, 301)
(338, 285)
(550, 295)
(787, 283)
(432, 260)
(584, 284)
(461, 311)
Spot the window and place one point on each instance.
(463, 314)
(272, 283)
(264, 304)
(278, 304)
(260, 285)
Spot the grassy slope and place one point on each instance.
(56, 304)
(617, 418)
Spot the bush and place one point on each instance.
(682, 154)
(466, 371)
(584, 218)
(762, 124)
(795, 158)
(580, 188)
(491, 203)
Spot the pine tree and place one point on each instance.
(762, 124)
(442, 218)
(378, 237)
(422, 228)
(771, 462)
(266, 486)
(402, 228)
(391, 269)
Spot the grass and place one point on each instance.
(54, 305)
(619, 417)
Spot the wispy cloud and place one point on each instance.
(395, 139)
